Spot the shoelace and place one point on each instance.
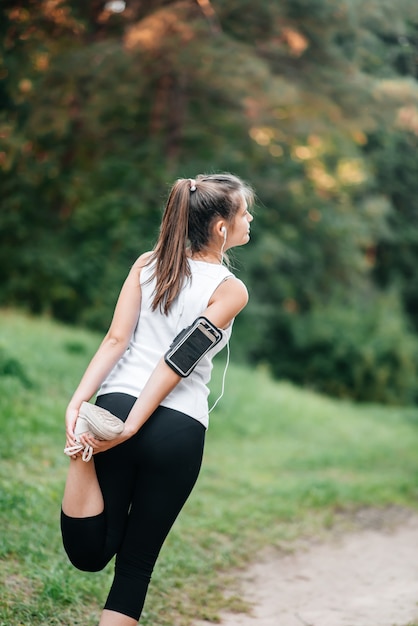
(87, 451)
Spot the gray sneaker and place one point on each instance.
(97, 421)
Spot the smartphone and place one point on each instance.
(191, 344)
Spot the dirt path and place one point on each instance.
(366, 577)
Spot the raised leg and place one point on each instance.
(96, 500)
(82, 494)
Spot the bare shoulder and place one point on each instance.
(142, 260)
(232, 289)
(238, 286)
(140, 263)
(228, 299)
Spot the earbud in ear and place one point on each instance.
(223, 230)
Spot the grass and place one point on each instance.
(280, 462)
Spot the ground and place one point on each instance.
(364, 573)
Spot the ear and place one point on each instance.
(220, 229)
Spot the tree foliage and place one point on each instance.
(314, 102)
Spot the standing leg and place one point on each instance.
(169, 453)
(111, 618)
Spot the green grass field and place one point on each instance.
(280, 462)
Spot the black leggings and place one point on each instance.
(145, 482)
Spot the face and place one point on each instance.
(238, 233)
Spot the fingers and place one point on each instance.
(89, 440)
(72, 445)
(81, 448)
(70, 421)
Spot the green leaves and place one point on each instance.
(315, 103)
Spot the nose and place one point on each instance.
(250, 217)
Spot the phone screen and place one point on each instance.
(186, 355)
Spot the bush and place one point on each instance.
(365, 352)
(10, 366)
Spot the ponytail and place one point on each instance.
(171, 268)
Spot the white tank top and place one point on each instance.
(154, 333)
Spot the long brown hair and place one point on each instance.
(192, 206)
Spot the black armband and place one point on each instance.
(191, 344)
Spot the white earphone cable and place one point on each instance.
(228, 352)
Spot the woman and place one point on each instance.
(125, 500)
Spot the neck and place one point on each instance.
(208, 256)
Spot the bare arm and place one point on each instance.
(113, 345)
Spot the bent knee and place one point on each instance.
(88, 563)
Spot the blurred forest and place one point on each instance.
(314, 102)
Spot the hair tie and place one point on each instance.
(192, 184)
